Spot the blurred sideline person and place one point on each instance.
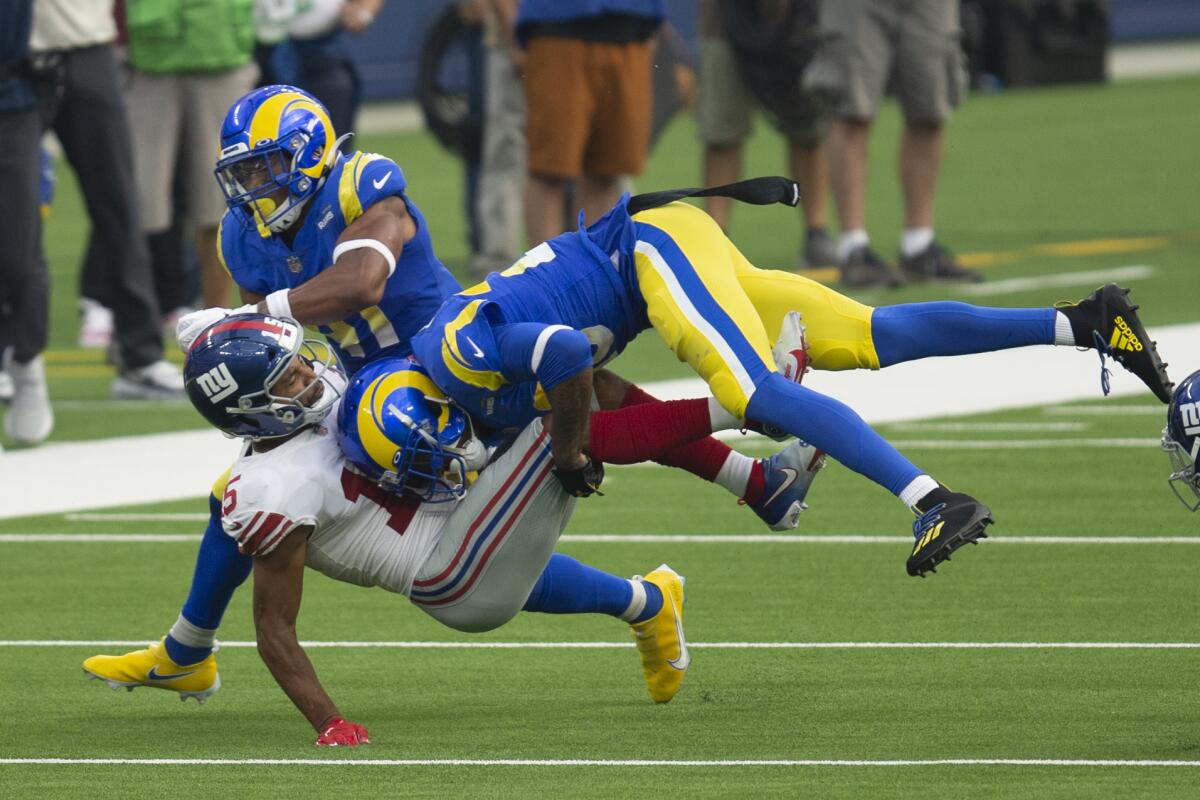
(187, 64)
(650, 263)
(754, 54)
(24, 278)
(587, 101)
(334, 241)
(471, 556)
(76, 75)
(867, 45)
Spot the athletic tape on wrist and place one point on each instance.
(278, 304)
(372, 244)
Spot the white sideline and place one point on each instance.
(145, 469)
(602, 762)
(646, 538)
(625, 645)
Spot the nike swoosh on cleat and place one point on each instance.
(681, 663)
(783, 487)
(154, 676)
(379, 183)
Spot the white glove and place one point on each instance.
(190, 326)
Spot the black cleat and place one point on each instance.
(864, 269)
(1106, 321)
(952, 520)
(936, 263)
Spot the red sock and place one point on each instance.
(756, 484)
(643, 432)
(702, 457)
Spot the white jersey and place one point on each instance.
(362, 534)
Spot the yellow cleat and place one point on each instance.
(660, 639)
(153, 667)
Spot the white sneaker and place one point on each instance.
(96, 329)
(30, 418)
(791, 349)
(161, 380)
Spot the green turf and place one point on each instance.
(1022, 169)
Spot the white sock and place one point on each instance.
(915, 240)
(721, 419)
(1063, 335)
(735, 473)
(850, 241)
(921, 485)
(191, 635)
(637, 604)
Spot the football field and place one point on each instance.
(1056, 659)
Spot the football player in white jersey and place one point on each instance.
(471, 556)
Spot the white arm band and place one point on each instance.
(372, 244)
(278, 304)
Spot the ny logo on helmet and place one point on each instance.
(217, 383)
(1190, 415)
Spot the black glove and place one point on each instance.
(582, 481)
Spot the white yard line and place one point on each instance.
(417, 645)
(137, 517)
(1094, 277)
(1107, 411)
(646, 538)
(990, 427)
(600, 762)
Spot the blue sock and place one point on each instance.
(220, 570)
(919, 330)
(833, 427)
(568, 587)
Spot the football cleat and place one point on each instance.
(786, 478)
(791, 360)
(1106, 321)
(153, 667)
(947, 522)
(660, 640)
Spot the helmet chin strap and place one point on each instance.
(288, 219)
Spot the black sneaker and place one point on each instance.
(936, 263)
(947, 521)
(819, 249)
(865, 269)
(1106, 321)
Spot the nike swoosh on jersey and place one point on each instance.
(684, 659)
(154, 676)
(475, 347)
(783, 487)
(379, 183)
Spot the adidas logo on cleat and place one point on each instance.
(1123, 338)
(929, 536)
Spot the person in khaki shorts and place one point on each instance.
(913, 46)
(757, 64)
(189, 62)
(586, 66)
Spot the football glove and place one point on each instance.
(582, 481)
(192, 325)
(340, 733)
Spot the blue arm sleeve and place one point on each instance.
(548, 354)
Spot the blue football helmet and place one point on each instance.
(275, 138)
(1181, 440)
(399, 429)
(233, 364)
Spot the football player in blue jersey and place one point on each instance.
(531, 335)
(1181, 441)
(334, 241)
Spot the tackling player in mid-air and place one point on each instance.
(471, 556)
(335, 241)
(670, 267)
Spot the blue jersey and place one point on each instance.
(583, 280)
(413, 293)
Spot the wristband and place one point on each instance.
(370, 244)
(278, 304)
